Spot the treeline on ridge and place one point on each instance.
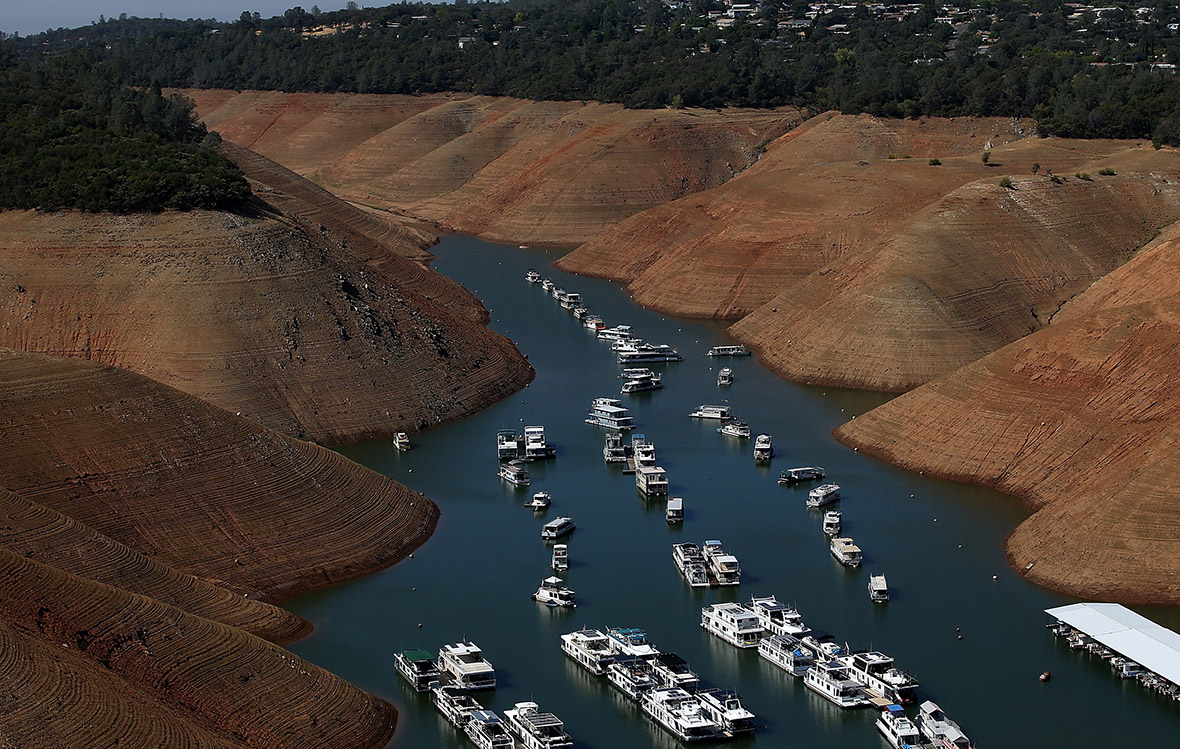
(1009, 58)
(72, 139)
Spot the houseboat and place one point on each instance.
(642, 383)
(723, 568)
(878, 589)
(787, 652)
(832, 681)
(455, 704)
(631, 641)
(418, 667)
(609, 413)
(763, 449)
(801, 474)
(617, 333)
(738, 350)
(725, 376)
(535, 446)
(833, 522)
(643, 451)
(514, 473)
(487, 731)
(532, 276)
(546, 284)
(540, 501)
(557, 292)
(778, 618)
(554, 593)
(561, 558)
(537, 730)
(725, 708)
(692, 565)
(570, 299)
(557, 528)
(679, 712)
(632, 676)
(465, 664)
(651, 480)
(580, 312)
(593, 322)
(940, 730)
(674, 512)
(673, 671)
(590, 649)
(711, 412)
(401, 441)
(736, 428)
(824, 645)
(733, 623)
(507, 444)
(613, 450)
(647, 353)
(880, 676)
(898, 730)
(846, 551)
(824, 494)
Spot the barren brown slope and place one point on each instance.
(251, 313)
(1081, 421)
(86, 664)
(824, 191)
(505, 169)
(33, 531)
(194, 487)
(981, 268)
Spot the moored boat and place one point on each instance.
(831, 680)
(642, 383)
(570, 299)
(846, 551)
(725, 708)
(613, 451)
(878, 589)
(943, 732)
(465, 664)
(643, 451)
(631, 641)
(455, 704)
(692, 565)
(553, 592)
(801, 474)
(539, 501)
(674, 511)
(546, 284)
(647, 353)
(881, 676)
(733, 623)
(705, 411)
(617, 333)
(537, 730)
(593, 322)
(580, 312)
(824, 494)
(787, 652)
(590, 649)
(651, 480)
(673, 671)
(487, 731)
(777, 618)
(507, 444)
(535, 446)
(833, 522)
(738, 350)
(532, 276)
(736, 428)
(418, 667)
(561, 558)
(723, 567)
(898, 729)
(401, 441)
(632, 675)
(680, 713)
(557, 528)
(725, 376)
(763, 448)
(514, 473)
(609, 413)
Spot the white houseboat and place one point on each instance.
(632, 676)
(647, 353)
(554, 593)
(824, 494)
(705, 411)
(833, 522)
(763, 448)
(540, 501)
(650, 381)
(487, 731)
(680, 713)
(880, 676)
(532, 276)
(571, 299)
(589, 648)
(507, 444)
(401, 441)
(738, 350)
(725, 376)
(631, 641)
(514, 473)
(651, 480)
(832, 681)
(593, 322)
(787, 652)
(898, 730)
(580, 312)
(557, 292)
(465, 664)
(673, 671)
(617, 333)
(801, 474)
(613, 450)
(846, 551)
(878, 589)
(940, 730)
(674, 512)
(725, 708)
(777, 618)
(643, 451)
(557, 528)
(733, 623)
(546, 284)
(418, 667)
(561, 558)
(609, 413)
(736, 428)
(455, 704)
(537, 730)
(692, 565)
(535, 446)
(723, 568)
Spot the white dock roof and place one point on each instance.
(1127, 633)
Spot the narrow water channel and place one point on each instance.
(967, 627)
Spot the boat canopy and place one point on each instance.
(1136, 637)
(418, 655)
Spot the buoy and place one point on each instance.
(411, 556)
(960, 637)
(1045, 676)
(936, 520)
(413, 589)
(419, 625)
(911, 496)
(993, 577)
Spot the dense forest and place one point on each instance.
(70, 139)
(1106, 72)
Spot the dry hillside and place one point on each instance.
(504, 169)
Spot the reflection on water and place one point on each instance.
(474, 578)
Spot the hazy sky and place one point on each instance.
(34, 16)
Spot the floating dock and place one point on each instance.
(1128, 634)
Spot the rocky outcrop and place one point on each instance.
(554, 173)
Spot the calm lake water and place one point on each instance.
(939, 543)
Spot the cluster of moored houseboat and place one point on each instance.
(460, 669)
(665, 687)
(1123, 667)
